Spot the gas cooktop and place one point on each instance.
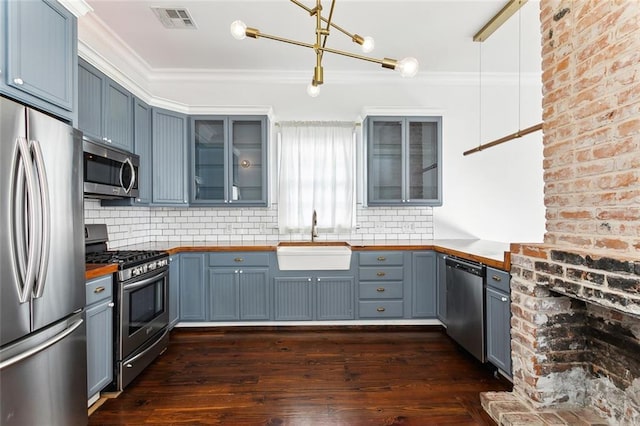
(124, 258)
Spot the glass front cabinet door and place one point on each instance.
(229, 160)
(404, 160)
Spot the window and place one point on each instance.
(316, 172)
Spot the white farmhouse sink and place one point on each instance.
(313, 256)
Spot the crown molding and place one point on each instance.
(77, 7)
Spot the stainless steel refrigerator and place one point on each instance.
(43, 377)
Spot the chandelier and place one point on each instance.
(408, 67)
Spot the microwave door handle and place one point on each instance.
(133, 175)
(44, 218)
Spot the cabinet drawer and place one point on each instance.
(498, 279)
(239, 259)
(381, 258)
(391, 273)
(381, 309)
(99, 289)
(386, 290)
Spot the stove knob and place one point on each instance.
(152, 266)
(135, 272)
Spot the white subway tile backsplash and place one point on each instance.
(135, 225)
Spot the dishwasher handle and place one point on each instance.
(466, 266)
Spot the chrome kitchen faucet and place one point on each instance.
(314, 226)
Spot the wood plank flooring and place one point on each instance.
(306, 376)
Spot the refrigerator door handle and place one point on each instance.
(43, 219)
(25, 221)
(41, 347)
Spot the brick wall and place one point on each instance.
(591, 113)
(576, 298)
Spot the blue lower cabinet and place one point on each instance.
(306, 298)
(238, 294)
(99, 315)
(192, 297)
(174, 290)
(498, 319)
(423, 282)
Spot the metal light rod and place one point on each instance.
(354, 37)
(500, 18)
(512, 136)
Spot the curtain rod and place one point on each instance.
(504, 139)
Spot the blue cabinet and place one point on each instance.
(99, 315)
(192, 295)
(382, 285)
(498, 319)
(169, 153)
(314, 295)
(423, 282)
(38, 55)
(142, 146)
(239, 294)
(442, 287)
(105, 108)
(404, 160)
(174, 290)
(229, 160)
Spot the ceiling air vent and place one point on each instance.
(174, 17)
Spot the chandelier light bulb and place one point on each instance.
(312, 90)
(368, 45)
(238, 30)
(408, 67)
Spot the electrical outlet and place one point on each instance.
(408, 227)
(228, 228)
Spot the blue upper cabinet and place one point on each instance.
(404, 158)
(105, 108)
(38, 55)
(169, 153)
(229, 161)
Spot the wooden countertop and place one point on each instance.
(490, 253)
(94, 271)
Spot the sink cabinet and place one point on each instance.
(319, 295)
(99, 315)
(404, 159)
(498, 319)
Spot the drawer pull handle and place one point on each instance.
(496, 278)
(238, 259)
(382, 258)
(381, 274)
(504, 299)
(98, 290)
(380, 289)
(381, 309)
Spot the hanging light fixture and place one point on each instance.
(408, 67)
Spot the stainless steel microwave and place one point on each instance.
(109, 172)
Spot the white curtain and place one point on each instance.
(316, 172)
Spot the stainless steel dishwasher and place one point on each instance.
(465, 305)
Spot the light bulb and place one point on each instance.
(368, 44)
(408, 67)
(238, 30)
(313, 90)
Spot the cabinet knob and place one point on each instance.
(380, 309)
(381, 274)
(111, 305)
(309, 279)
(504, 299)
(238, 259)
(98, 290)
(496, 278)
(240, 271)
(381, 258)
(380, 289)
(18, 81)
(235, 272)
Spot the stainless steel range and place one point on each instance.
(142, 306)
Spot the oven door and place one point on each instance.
(144, 310)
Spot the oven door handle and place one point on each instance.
(143, 353)
(144, 282)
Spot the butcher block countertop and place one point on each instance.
(490, 253)
(94, 271)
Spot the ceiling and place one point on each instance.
(438, 33)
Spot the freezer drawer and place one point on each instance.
(43, 378)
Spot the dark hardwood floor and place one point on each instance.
(306, 376)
